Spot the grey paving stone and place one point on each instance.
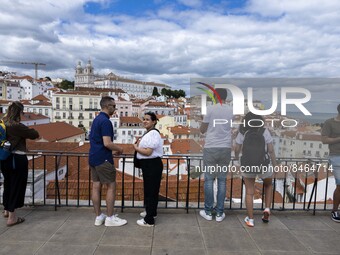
(60, 248)
(285, 253)
(177, 236)
(32, 230)
(122, 250)
(304, 223)
(275, 240)
(19, 247)
(78, 233)
(221, 252)
(329, 222)
(171, 219)
(320, 240)
(130, 234)
(228, 239)
(177, 251)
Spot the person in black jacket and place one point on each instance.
(15, 167)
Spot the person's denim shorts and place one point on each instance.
(334, 161)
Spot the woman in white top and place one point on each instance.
(255, 123)
(150, 150)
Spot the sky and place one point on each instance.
(173, 41)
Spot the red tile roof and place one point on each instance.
(57, 131)
(130, 120)
(185, 146)
(183, 130)
(40, 98)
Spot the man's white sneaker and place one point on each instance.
(100, 220)
(142, 223)
(220, 217)
(114, 221)
(143, 214)
(205, 215)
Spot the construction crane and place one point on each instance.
(26, 63)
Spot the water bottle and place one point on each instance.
(7, 146)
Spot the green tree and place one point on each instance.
(155, 92)
(65, 84)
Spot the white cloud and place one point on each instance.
(273, 39)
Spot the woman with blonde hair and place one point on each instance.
(15, 167)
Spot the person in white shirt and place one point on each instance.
(216, 155)
(150, 150)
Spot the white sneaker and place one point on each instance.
(205, 215)
(100, 220)
(249, 222)
(143, 214)
(142, 223)
(220, 217)
(114, 221)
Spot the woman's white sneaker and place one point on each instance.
(114, 221)
(142, 223)
(143, 214)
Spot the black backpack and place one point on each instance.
(254, 148)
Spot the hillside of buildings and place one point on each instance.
(64, 118)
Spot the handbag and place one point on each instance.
(136, 161)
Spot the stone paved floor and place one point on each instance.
(71, 231)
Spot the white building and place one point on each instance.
(129, 129)
(85, 78)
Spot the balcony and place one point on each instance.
(61, 179)
(60, 218)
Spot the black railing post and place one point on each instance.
(123, 180)
(188, 184)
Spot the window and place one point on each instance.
(123, 132)
(46, 112)
(64, 115)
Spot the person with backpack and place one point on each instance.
(256, 144)
(149, 152)
(15, 167)
(216, 156)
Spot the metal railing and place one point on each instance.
(64, 179)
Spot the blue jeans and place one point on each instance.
(218, 160)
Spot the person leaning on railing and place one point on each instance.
(15, 167)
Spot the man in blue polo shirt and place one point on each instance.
(101, 164)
